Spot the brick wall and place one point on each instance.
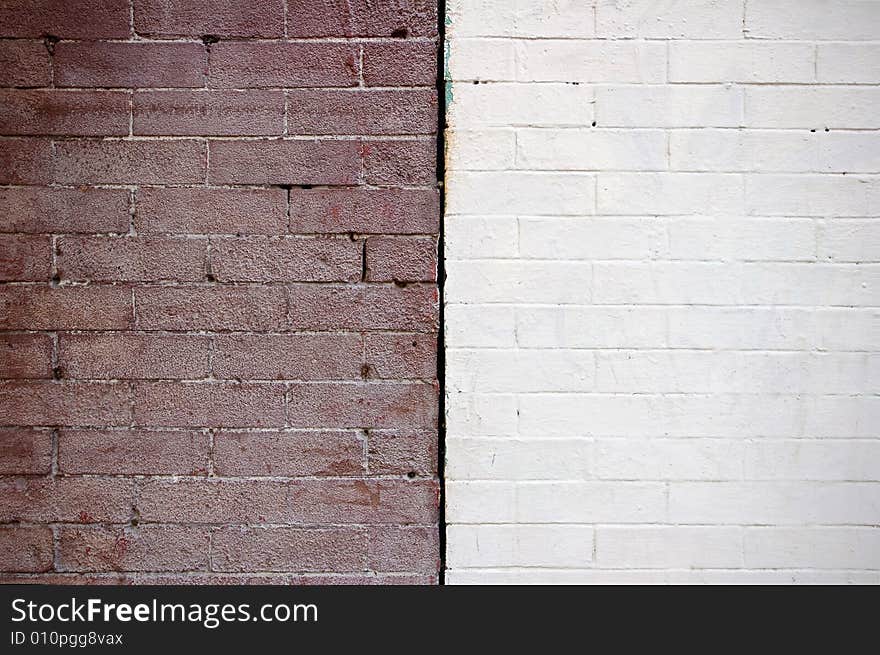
(218, 301)
(663, 244)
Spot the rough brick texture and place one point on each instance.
(218, 298)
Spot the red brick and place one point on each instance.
(65, 403)
(209, 112)
(244, 65)
(401, 259)
(279, 161)
(131, 259)
(288, 356)
(400, 356)
(24, 63)
(133, 452)
(75, 113)
(76, 500)
(47, 210)
(404, 63)
(25, 161)
(64, 308)
(130, 162)
(297, 501)
(289, 452)
(210, 308)
(25, 356)
(207, 211)
(400, 162)
(66, 19)
(289, 549)
(140, 548)
(214, 17)
(402, 452)
(195, 578)
(286, 259)
(24, 549)
(25, 258)
(214, 404)
(67, 579)
(127, 355)
(130, 64)
(365, 211)
(308, 18)
(361, 579)
(373, 405)
(363, 307)
(25, 451)
(411, 111)
(406, 548)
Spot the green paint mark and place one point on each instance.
(448, 93)
(447, 47)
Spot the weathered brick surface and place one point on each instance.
(210, 371)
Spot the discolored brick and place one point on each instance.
(25, 451)
(103, 64)
(402, 452)
(400, 63)
(25, 356)
(65, 308)
(130, 162)
(25, 258)
(215, 17)
(410, 111)
(67, 19)
(210, 308)
(65, 403)
(63, 112)
(68, 499)
(140, 548)
(285, 162)
(289, 549)
(288, 356)
(401, 259)
(401, 356)
(67, 210)
(24, 63)
(404, 548)
(26, 549)
(286, 259)
(205, 112)
(370, 405)
(131, 259)
(400, 162)
(247, 64)
(26, 161)
(310, 18)
(365, 211)
(133, 452)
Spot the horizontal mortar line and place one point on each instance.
(169, 283)
(819, 261)
(161, 332)
(678, 394)
(653, 481)
(206, 430)
(562, 305)
(59, 138)
(658, 349)
(214, 525)
(197, 90)
(219, 187)
(668, 171)
(751, 440)
(611, 38)
(244, 380)
(203, 479)
(635, 525)
(279, 40)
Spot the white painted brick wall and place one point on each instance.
(663, 295)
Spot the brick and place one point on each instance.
(24, 63)
(25, 258)
(64, 308)
(588, 149)
(482, 59)
(133, 452)
(45, 210)
(26, 549)
(361, 18)
(129, 355)
(814, 107)
(25, 356)
(404, 63)
(25, 161)
(284, 162)
(849, 241)
(374, 405)
(667, 459)
(812, 20)
(477, 237)
(404, 548)
(25, 451)
(289, 549)
(521, 282)
(361, 112)
(298, 501)
(209, 404)
(288, 356)
(400, 162)
(702, 19)
(77, 113)
(562, 546)
(389, 211)
(484, 458)
(401, 356)
(669, 106)
(667, 547)
(520, 192)
(747, 151)
(69, 499)
(214, 17)
(485, 149)
(401, 260)
(286, 259)
(289, 453)
(817, 459)
(140, 548)
(65, 403)
(363, 307)
(813, 547)
(242, 64)
(669, 193)
(207, 211)
(585, 61)
(696, 61)
(210, 308)
(131, 259)
(66, 19)
(130, 162)
(402, 452)
(208, 112)
(612, 238)
(507, 104)
(130, 64)
(847, 63)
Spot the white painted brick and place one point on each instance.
(743, 328)
(520, 545)
(481, 59)
(727, 238)
(771, 577)
(673, 19)
(519, 459)
(814, 107)
(832, 548)
(467, 18)
(812, 195)
(591, 238)
(591, 149)
(562, 18)
(591, 327)
(553, 577)
(481, 237)
(481, 415)
(570, 194)
(506, 104)
(661, 547)
(849, 63)
(480, 326)
(849, 152)
(668, 459)
(480, 502)
(850, 241)
(548, 60)
(847, 329)
(481, 150)
(669, 193)
(518, 282)
(740, 61)
(503, 371)
(812, 19)
(841, 416)
(669, 106)
(800, 459)
(743, 150)
(590, 502)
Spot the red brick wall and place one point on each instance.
(218, 295)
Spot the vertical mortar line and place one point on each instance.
(816, 62)
(131, 33)
(56, 547)
(284, 11)
(211, 446)
(361, 65)
(53, 472)
(207, 159)
(285, 127)
(132, 211)
(130, 112)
